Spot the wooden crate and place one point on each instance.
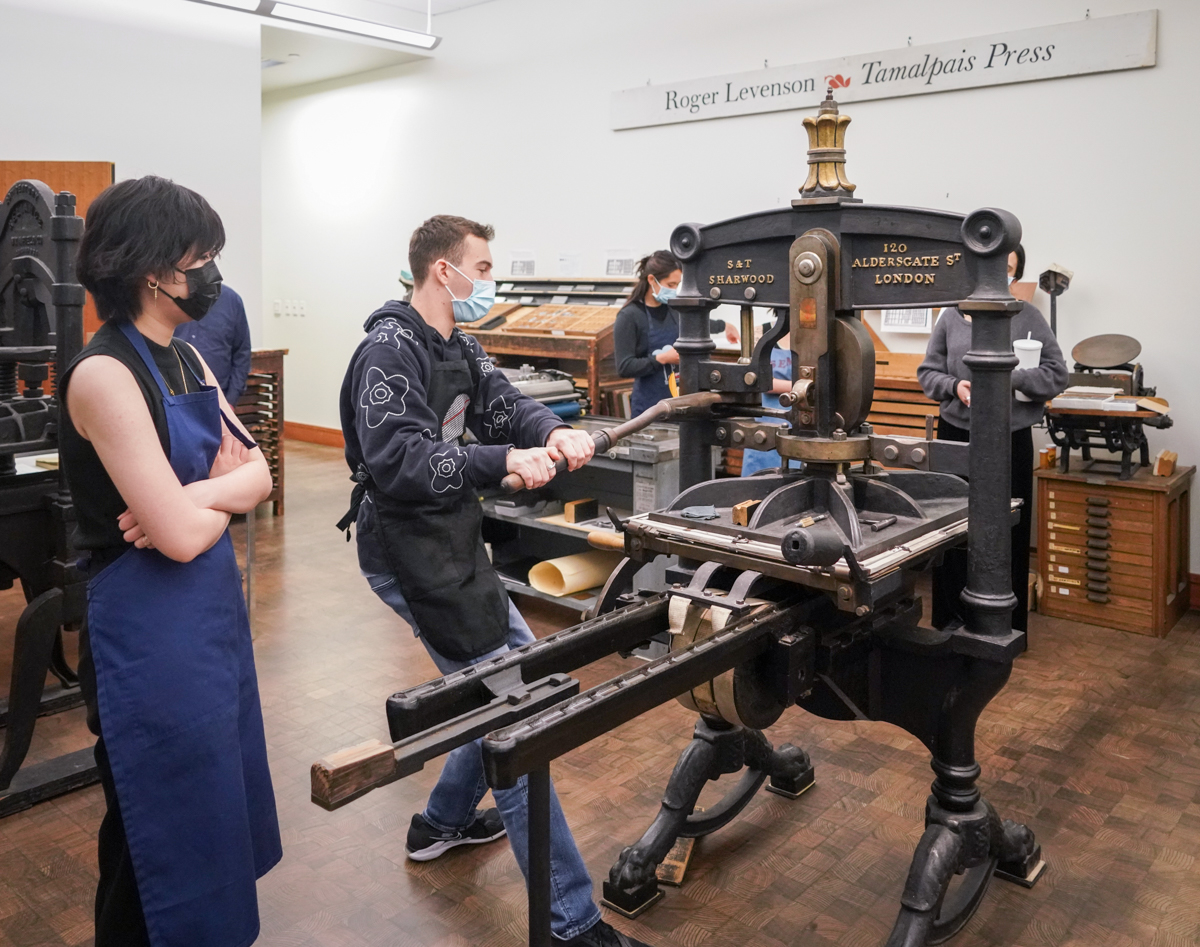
(1115, 552)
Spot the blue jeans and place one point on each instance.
(453, 803)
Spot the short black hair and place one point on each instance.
(442, 237)
(1020, 270)
(144, 225)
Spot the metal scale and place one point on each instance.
(794, 587)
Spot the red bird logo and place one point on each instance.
(838, 82)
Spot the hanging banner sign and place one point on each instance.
(1103, 44)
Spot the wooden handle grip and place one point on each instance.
(606, 539)
(347, 774)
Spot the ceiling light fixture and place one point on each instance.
(334, 21)
(248, 5)
(347, 24)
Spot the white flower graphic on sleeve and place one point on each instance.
(448, 468)
(389, 330)
(500, 414)
(382, 396)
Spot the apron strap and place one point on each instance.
(143, 350)
(248, 442)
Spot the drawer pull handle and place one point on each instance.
(1097, 576)
(1097, 521)
(1099, 533)
(1099, 501)
(1097, 544)
(1095, 557)
(1097, 586)
(1097, 598)
(1097, 511)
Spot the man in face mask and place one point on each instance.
(416, 384)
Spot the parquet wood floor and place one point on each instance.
(1095, 743)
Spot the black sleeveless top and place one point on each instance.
(97, 501)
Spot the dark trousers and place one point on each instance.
(119, 918)
(950, 578)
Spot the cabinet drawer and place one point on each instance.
(1069, 517)
(1098, 496)
(1126, 614)
(1080, 548)
(1090, 580)
(1084, 514)
(1141, 574)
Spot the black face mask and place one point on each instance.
(204, 288)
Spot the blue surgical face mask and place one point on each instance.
(1010, 280)
(665, 293)
(475, 306)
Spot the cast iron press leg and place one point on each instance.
(718, 748)
(539, 856)
(37, 630)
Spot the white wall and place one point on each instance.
(510, 125)
(155, 86)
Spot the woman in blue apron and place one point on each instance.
(157, 462)
(646, 329)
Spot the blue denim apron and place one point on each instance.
(649, 390)
(180, 714)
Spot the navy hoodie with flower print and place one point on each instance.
(409, 452)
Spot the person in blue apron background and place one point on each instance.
(428, 423)
(156, 462)
(645, 331)
(781, 371)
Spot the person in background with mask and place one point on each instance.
(946, 379)
(156, 462)
(646, 329)
(222, 338)
(415, 385)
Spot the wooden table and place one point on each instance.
(1115, 552)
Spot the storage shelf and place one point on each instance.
(570, 601)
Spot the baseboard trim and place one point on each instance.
(313, 434)
(1194, 590)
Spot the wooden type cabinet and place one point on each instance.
(1115, 552)
(261, 409)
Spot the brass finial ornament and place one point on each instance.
(827, 153)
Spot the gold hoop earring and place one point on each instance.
(153, 284)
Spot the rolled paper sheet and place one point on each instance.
(568, 574)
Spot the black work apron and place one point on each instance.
(435, 546)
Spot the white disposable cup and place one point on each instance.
(1029, 355)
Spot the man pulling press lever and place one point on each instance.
(415, 383)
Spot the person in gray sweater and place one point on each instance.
(945, 379)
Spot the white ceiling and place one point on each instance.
(307, 58)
